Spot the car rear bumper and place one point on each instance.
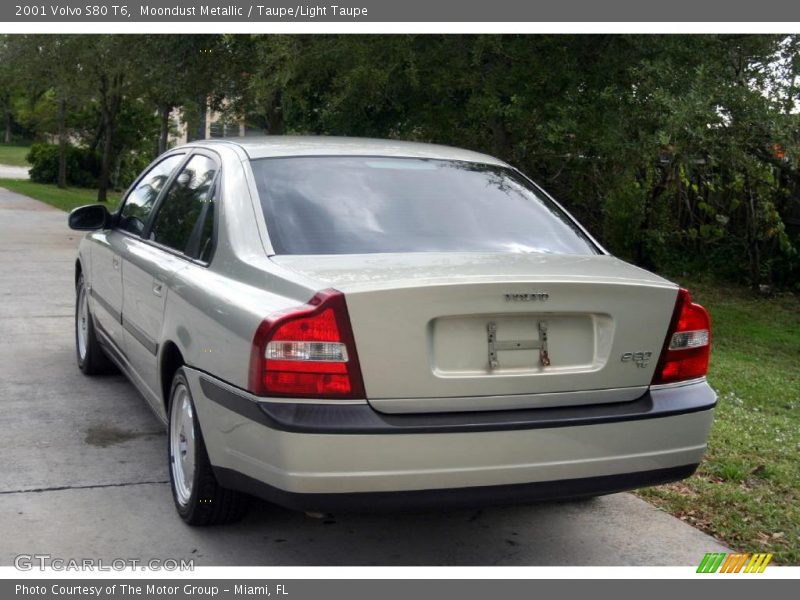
(336, 456)
(465, 497)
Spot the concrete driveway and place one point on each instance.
(84, 469)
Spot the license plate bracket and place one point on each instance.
(496, 346)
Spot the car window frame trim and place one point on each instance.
(197, 231)
(145, 236)
(156, 206)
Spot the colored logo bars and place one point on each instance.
(734, 563)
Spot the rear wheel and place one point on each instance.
(199, 499)
(92, 359)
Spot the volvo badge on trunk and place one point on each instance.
(532, 297)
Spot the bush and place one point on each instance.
(130, 165)
(83, 165)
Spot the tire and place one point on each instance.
(92, 359)
(199, 499)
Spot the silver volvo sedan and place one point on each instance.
(337, 323)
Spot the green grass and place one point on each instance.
(13, 155)
(747, 490)
(66, 199)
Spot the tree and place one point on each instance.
(678, 152)
(56, 60)
(178, 70)
(9, 73)
(112, 65)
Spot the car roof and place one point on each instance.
(272, 146)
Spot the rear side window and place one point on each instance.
(355, 205)
(141, 200)
(182, 214)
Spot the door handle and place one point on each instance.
(115, 263)
(157, 287)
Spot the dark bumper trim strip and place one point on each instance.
(495, 495)
(363, 419)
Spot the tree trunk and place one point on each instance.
(110, 102)
(7, 137)
(105, 164)
(501, 138)
(644, 257)
(202, 104)
(275, 115)
(163, 112)
(98, 135)
(62, 143)
(753, 250)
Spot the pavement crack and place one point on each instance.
(81, 487)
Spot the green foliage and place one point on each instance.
(83, 165)
(678, 152)
(134, 143)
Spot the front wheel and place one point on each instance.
(199, 499)
(92, 359)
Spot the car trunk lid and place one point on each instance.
(472, 331)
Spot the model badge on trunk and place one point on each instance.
(532, 297)
(640, 359)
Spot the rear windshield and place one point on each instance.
(362, 205)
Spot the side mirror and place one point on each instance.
(89, 217)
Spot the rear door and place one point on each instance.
(169, 240)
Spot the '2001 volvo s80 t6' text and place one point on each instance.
(334, 323)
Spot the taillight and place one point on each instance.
(307, 352)
(688, 344)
